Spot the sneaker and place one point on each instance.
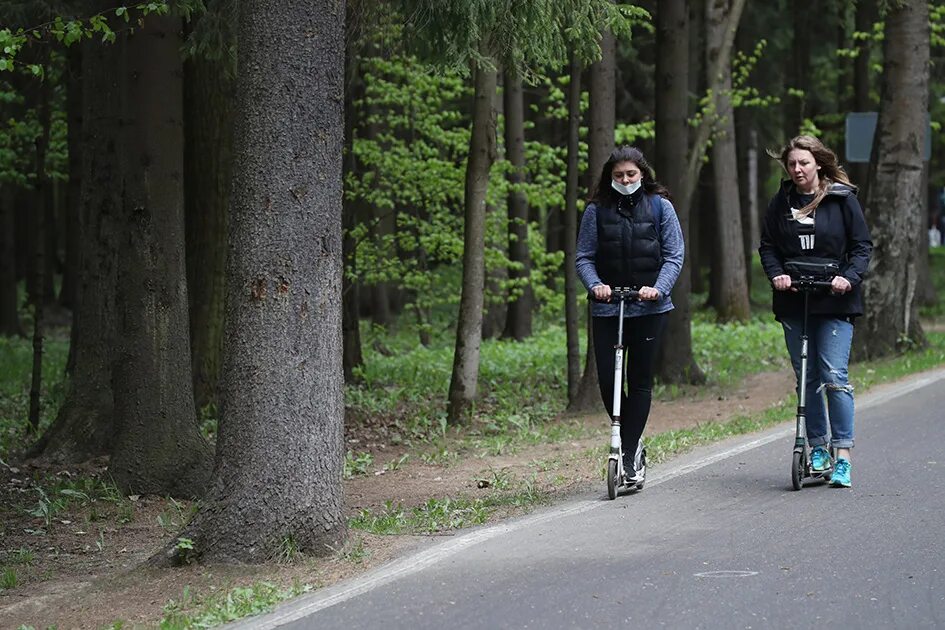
(627, 466)
(638, 468)
(841, 474)
(819, 459)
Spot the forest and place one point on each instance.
(235, 234)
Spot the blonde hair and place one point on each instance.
(828, 165)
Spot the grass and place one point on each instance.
(446, 514)
(193, 611)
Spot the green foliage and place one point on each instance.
(193, 611)
(447, 514)
(8, 579)
(525, 35)
(937, 272)
(16, 360)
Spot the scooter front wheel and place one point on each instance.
(612, 479)
(797, 471)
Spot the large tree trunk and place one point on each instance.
(208, 155)
(675, 363)
(482, 151)
(798, 65)
(518, 321)
(352, 355)
(158, 446)
(731, 300)
(865, 14)
(571, 282)
(68, 294)
(277, 478)
(84, 426)
(896, 196)
(600, 144)
(41, 193)
(9, 314)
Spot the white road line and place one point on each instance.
(403, 567)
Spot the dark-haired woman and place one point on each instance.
(629, 237)
(815, 214)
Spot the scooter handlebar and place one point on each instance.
(617, 294)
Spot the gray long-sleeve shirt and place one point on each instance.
(672, 251)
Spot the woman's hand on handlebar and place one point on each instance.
(602, 292)
(840, 285)
(782, 282)
(649, 293)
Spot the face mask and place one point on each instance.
(626, 190)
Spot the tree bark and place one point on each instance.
(482, 152)
(600, 144)
(277, 478)
(518, 321)
(798, 69)
(208, 156)
(351, 327)
(84, 425)
(571, 282)
(732, 297)
(675, 362)
(865, 14)
(896, 196)
(9, 313)
(158, 447)
(68, 296)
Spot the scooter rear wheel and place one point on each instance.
(797, 471)
(612, 478)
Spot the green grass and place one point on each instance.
(937, 269)
(438, 515)
(193, 611)
(16, 368)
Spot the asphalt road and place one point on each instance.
(716, 540)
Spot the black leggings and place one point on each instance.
(641, 338)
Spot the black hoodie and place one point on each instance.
(840, 234)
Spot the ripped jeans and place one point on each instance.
(828, 353)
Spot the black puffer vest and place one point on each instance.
(628, 243)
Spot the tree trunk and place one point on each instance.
(41, 192)
(9, 313)
(84, 426)
(158, 447)
(482, 150)
(600, 144)
(715, 77)
(732, 298)
(865, 14)
(798, 69)
(277, 478)
(896, 196)
(351, 327)
(675, 362)
(208, 156)
(571, 282)
(68, 294)
(518, 321)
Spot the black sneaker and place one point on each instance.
(638, 476)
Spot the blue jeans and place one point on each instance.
(828, 353)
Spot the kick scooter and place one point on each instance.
(615, 471)
(807, 277)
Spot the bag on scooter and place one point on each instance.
(811, 269)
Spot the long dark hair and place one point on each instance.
(605, 194)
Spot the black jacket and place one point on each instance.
(628, 242)
(840, 234)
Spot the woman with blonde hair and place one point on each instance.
(815, 215)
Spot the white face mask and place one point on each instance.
(626, 190)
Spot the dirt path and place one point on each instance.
(84, 569)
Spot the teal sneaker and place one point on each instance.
(841, 474)
(819, 459)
